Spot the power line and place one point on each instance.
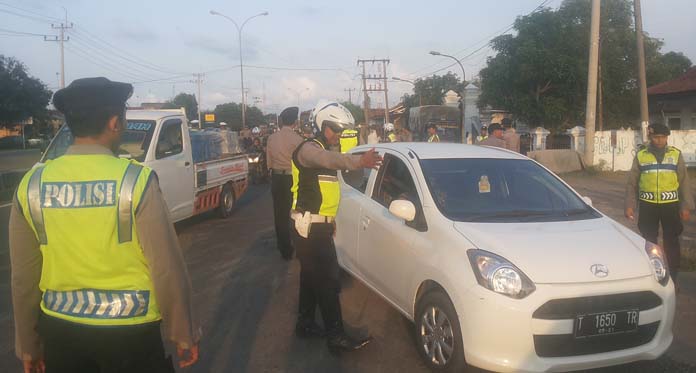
(94, 50)
(23, 33)
(124, 52)
(102, 64)
(30, 12)
(488, 41)
(36, 19)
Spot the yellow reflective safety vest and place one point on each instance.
(392, 137)
(82, 208)
(348, 140)
(314, 189)
(658, 181)
(434, 138)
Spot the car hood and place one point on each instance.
(563, 252)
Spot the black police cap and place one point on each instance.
(289, 115)
(89, 93)
(658, 129)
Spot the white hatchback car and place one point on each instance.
(500, 264)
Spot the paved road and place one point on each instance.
(245, 296)
(18, 159)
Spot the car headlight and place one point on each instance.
(499, 275)
(658, 262)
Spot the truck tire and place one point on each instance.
(227, 200)
(438, 334)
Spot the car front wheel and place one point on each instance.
(438, 335)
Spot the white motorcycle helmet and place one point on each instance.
(388, 127)
(256, 131)
(332, 114)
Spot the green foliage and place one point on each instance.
(431, 90)
(187, 101)
(231, 113)
(21, 96)
(540, 74)
(357, 111)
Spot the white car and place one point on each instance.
(500, 264)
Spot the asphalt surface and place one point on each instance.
(246, 299)
(18, 159)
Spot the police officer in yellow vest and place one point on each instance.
(316, 196)
(432, 133)
(349, 139)
(659, 184)
(96, 264)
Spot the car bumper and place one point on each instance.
(499, 332)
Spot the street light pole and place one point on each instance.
(434, 53)
(420, 98)
(241, 60)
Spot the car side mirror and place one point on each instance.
(587, 200)
(403, 209)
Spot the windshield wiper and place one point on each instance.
(575, 212)
(508, 214)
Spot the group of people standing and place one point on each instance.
(500, 135)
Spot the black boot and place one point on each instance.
(308, 330)
(344, 343)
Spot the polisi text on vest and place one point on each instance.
(78, 194)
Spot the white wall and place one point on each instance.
(620, 157)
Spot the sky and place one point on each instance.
(301, 52)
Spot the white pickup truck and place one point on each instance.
(161, 140)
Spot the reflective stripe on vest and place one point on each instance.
(434, 138)
(125, 202)
(314, 190)
(98, 304)
(348, 140)
(659, 182)
(391, 137)
(35, 208)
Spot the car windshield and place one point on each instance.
(501, 190)
(134, 142)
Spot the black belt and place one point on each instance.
(282, 172)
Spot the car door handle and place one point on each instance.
(187, 163)
(365, 223)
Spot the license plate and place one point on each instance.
(605, 323)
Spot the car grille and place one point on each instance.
(564, 309)
(567, 309)
(568, 345)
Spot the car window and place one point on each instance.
(135, 141)
(170, 141)
(356, 178)
(501, 190)
(394, 181)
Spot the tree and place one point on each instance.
(357, 111)
(231, 113)
(431, 90)
(540, 74)
(21, 96)
(188, 102)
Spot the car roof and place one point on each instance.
(152, 114)
(441, 150)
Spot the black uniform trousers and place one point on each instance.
(71, 348)
(282, 203)
(650, 217)
(319, 278)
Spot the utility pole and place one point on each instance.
(61, 39)
(366, 97)
(381, 77)
(591, 110)
(350, 94)
(199, 81)
(644, 115)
